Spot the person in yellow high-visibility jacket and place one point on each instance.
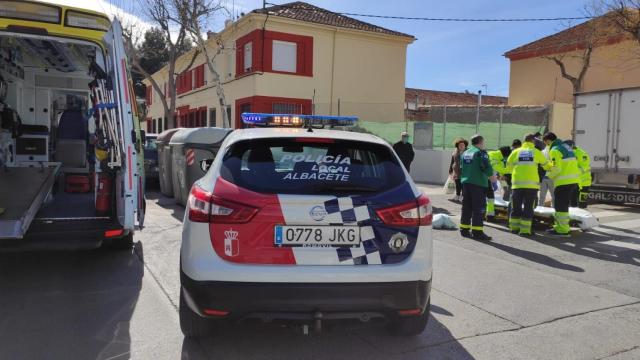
(525, 181)
(579, 198)
(565, 174)
(498, 160)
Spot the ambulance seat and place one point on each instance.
(72, 142)
(72, 125)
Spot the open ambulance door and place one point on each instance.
(129, 182)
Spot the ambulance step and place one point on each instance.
(23, 190)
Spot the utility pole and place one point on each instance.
(478, 111)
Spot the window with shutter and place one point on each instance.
(284, 56)
(248, 56)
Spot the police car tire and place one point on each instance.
(192, 324)
(121, 243)
(410, 326)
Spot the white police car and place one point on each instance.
(305, 224)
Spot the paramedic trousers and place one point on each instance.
(579, 198)
(546, 185)
(563, 195)
(474, 201)
(491, 199)
(521, 217)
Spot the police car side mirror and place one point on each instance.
(205, 164)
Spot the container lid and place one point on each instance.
(166, 135)
(203, 136)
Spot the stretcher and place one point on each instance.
(20, 207)
(581, 218)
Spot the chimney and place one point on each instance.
(228, 23)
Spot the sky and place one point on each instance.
(449, 56)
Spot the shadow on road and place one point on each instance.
(68, 305)
(535, 257)
(345, 341)
(595, 247)
(177, 211)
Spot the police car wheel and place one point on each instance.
(410, 326)
(192, 324)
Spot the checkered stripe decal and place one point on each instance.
(342, 210)
(367, 253)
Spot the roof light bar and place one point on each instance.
(293, 120)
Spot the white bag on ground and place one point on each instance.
(443, 221)
(449, 186)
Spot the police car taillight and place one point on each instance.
(230, 212)
(205, 207)
(413, 213)
(198, 205)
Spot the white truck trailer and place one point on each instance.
(607, 126)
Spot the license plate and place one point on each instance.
(317, 236)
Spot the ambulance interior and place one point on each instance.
(47, 160)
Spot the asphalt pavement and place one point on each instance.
(512, 298)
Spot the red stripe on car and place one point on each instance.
(251, 242)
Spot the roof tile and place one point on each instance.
(602, 29)
(434, 97)
(306, 12)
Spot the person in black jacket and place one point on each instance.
(404, 149)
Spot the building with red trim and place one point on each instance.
(291, 58)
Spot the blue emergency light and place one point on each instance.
(293, 120)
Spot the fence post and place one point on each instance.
(500, 126)
(444, 126)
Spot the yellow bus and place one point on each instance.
(70, 140)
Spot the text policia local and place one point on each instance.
(328, 168)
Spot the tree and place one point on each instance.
(626, 16)
(195, 15)
(165, 16)
(580, 40)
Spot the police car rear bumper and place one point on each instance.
(299, 300)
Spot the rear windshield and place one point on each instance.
(311, 166)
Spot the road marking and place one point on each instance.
(624, 224)
(623, 243)
(601, 231)
(607, 213)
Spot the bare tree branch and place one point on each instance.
(195, 14)
(625, 14)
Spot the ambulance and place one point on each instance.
(71, 159)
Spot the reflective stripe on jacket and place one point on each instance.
(584, 163)
(565, 170)
(523, 163)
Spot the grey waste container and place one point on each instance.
(188, 148)
(164, 161)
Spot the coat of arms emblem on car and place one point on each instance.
(231, 243)
(398, 242)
